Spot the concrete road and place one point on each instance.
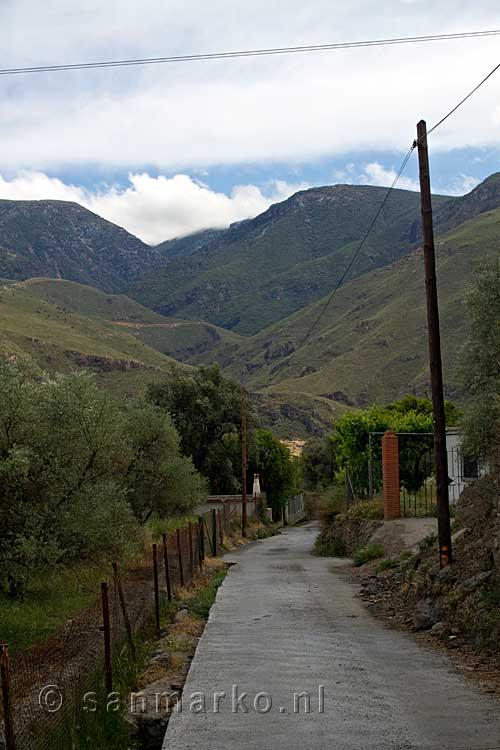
(285, 623)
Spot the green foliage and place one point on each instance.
(330, 546)
(205, 408)
(352, 442)
(481, 364)
(386, 564)
(200, 604)
(278, 471)
(365, 554)
(318, 463)
(366, 511)
(77, 473)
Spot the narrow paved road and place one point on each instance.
(286, 622)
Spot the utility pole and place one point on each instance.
(440, 452)
(243, 461)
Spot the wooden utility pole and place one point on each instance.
(243, 461)
(440, 452)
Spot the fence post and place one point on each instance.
(126, 620)
(214, 532)
(106, 628)
(201, 540)
(221, 538)
(167, 568)
(156, 588)
(6, 674)
(191, 556)
(390, 475)
(179, 554)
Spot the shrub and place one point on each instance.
(386, 564)
(367, 553)
(330, 546)
(366, 511)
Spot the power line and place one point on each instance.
(360, 246)
(384, 201)
(249, 53)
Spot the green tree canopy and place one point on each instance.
(481, 365)
(205, 408)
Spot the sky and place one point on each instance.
(167, 150)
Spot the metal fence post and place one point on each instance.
(167, 568)
(221, 538)
(191, 556)
(214, 532)
(156, 588)
(106, 628)
(179, 553)
(126, 620)
(6, 678)
(201, 540)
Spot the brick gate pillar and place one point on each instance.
(390, 475)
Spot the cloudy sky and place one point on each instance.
(165, 150)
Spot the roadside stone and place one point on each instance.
(161, 660)
(439, 629)
(181, 615)
(425, 615)
(457, 535)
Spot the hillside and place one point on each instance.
(66, 326)
(262, 270)
(371, 344)
(59, 239)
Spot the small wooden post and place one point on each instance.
(126, 620)
(167, 568)
(191, 555)
(201, 540)
(156, 588)
(106, 627)
(179, 553)
(214, 532)
(6, 679)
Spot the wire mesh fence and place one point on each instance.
(43, 687)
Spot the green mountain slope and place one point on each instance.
(62, 325)
(262, 270)
(59, 239)
(371, 344)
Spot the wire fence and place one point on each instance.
(42, 687)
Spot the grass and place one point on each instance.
(367, 553)
(201, 602)
(386, 564)
(51, 600)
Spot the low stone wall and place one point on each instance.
(342, 534)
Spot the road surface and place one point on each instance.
(286, 622)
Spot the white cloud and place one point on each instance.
(376, 174)
(154, 208)
(296, 107)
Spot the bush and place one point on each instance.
(332, 546)
(367, 553)
(367, 511)
(386, 564)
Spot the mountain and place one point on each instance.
(184, 246)
(262, 270)
(64, 326)
(371, 343)
(59, 239)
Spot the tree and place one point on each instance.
(159, 479)
(77, 472)
(481, 365)
(278, 471)
(205, 408)
(318, 462)
(410, 415)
